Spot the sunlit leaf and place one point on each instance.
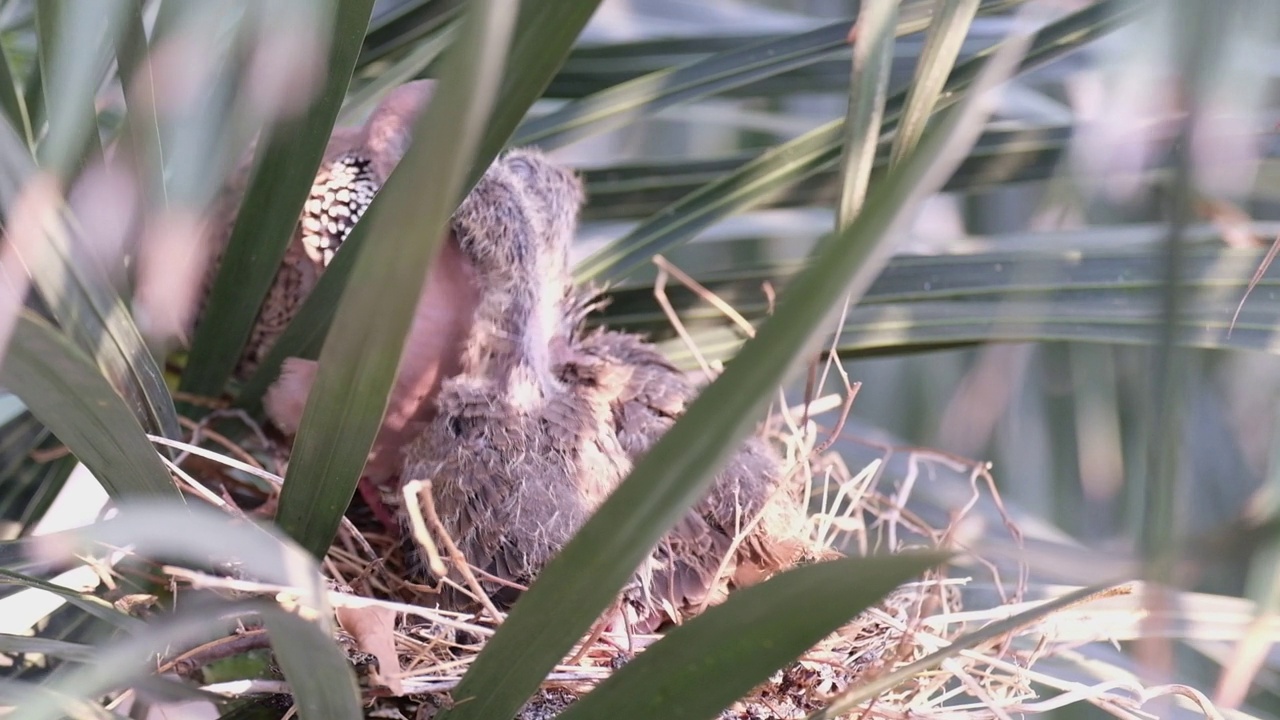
(705, 664)
(64, 390)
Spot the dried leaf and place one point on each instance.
(374, 628)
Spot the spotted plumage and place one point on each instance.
(342, 192)
(356, 163)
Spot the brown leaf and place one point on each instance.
(374, 628)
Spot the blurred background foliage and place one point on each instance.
(1029, 316)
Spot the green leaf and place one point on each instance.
(869, 84)
(624, 103)
(921, 303)
(53, 648)
(198, 534)
(744, 61)
(90, 604)
(705, 664)
(142, 125)
(29, 495)
(62, 387)
(360, 355)
(786, 164)
(951, 21)
(266, 222)
(73, 63)
(403, 24)
(131, 659)
(83, 300)
(12, 103)
(572, 590)
(319, 675)
(643, 189)
(593, 70)
(359, 103)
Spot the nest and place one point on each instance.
(409, 654)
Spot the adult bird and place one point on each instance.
(356, 164)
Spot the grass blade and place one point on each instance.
(266, 222)
(869, 83)
(142, 125)
(790, 162)
(951, 21)
(131, 659)
(61, 649)
(63, 388)
(403, 24)
(73, 62)
(576, 586)
(12, 103)
(319, 674)
(639, 190)
(359, 103)
(921, 303)
(361, 353)
(81, 297)
(90, 604)
(723, 653)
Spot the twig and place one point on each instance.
(240, 688)
(701, 291)
(455, 555)
(660, 294)
(275, 480)
(418, 527)
(220, 649)
(200, 429)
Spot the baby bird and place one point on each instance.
(543, 421)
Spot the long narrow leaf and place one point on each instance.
(12, 103)
(82, 299)
(61, 649)
(72, 55)
(919, 303)
(640, 190)
(130, 660)
(90, 604)
(790, 162)
(361, 354)
(705, 664)
(272, 203)
(869, 85)
(951, 21)
(142, 126)
(63, 388)
(318, 671)
(848, 701)
(575, 587)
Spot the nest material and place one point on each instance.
(435, 646)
